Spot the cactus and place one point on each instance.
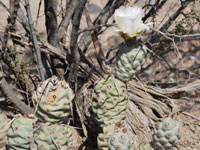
(166, 134)
(120, 141)
(109, 101)
(105, 140)
(54, 136)
(102, 139)
(20, 133)
(53, 99)
(4, 126)
(129, 60)
(146, 147)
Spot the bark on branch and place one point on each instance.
(70, 8)
(102, 18)
(51, 21)
(75, 56)
(12, 96)
(35, 41)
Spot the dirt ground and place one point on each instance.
(186, 69)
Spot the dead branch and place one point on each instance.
(172, 18)
(21, 17)
(102, 18)
(97, 46)
(155, 8)
(38, 12)
(12, 96)
(70, 8)
(10, 28)
(96, 27)
(8, 91)
(75, 56)
(51, 21)
(156, 37)
(35, 41)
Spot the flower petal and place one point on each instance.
(129, 21)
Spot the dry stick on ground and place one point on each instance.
(185, 37)
(47, 48)
(70, 8)
(35, 41)
(75, 56)
(12, 96)
(7, 90)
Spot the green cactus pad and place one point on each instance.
(109, 101)
(53, 137)
(166, 134)
(146, 147)
(54, 100)
(4, 126)
(105, 140)
(20, 134)
(102, 139)
(120, 141)
(130, 59)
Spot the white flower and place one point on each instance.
(129, 21)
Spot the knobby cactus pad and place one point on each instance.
(54, 136)
(20, 134)
(109, 101)
(53, 98)
(130, 59)
(166, 134)
(4, 126)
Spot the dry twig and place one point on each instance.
(35, 41)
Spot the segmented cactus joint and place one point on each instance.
(120, 141)
(53, 98)
(4, 126)
(20, 133)
(130, 59)
(109, 101)
(166, 134)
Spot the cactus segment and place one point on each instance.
(109, 101)
(53, 137)
(120, 141)
(166, 134)
(54, 100)
(4, 126)
(20, 134)
(115, 137)
(129, 60)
